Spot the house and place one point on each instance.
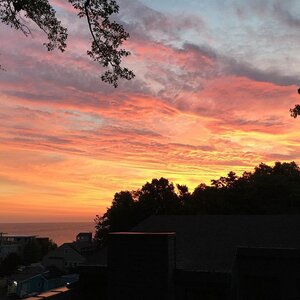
(84, 237)
(14, 244)
(199, 257)
(84, 248)
(17, 239)
(69, 256)
(6, 249)
(84, 243)
(65, 258)
(27, 281)
(35, 279)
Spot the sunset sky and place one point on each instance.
(214, 84)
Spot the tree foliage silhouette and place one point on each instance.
(35, 250)
(267, 190)
(107, 36)
(296, 110)
(10, 264)
(129, 208)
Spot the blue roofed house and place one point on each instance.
(27, 281)
(35, 279)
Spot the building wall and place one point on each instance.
(268, 274)
(141, 266)
(194, 285)
(27, 287)
(13, 244)
(93, 283)
(84, 237)
(10, 248)
(54, 283)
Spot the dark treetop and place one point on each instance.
(268, 190)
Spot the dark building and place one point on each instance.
(35, 279)
(14, 244)
(139, 262)
(84, 237)
(200, 257)
(265, 273)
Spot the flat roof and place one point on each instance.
(50, 294)
(210, 242)
(142, 233)
(17, 235)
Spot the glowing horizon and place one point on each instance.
(213, 88)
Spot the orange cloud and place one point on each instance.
(69, 142)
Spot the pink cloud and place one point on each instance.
(190, 115)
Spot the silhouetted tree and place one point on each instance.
(46, 246)
(184, 197)
(32, 252)
(9, 264)
(119, 217)
(107, 36)
(158, 197)
(36, 249)
(225, 182)
(267, 190)
(129, 208)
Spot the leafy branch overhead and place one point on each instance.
(296, 110)
(107, 36)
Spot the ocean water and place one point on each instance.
(59, 232)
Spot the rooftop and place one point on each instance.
(28, 272)
(50, 294)
(18, 236)
(143, 233)
(210, 242)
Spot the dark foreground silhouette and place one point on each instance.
(215, 257)
(267, 190)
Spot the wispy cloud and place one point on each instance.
(196, 110)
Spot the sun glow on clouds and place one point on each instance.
(193, 113)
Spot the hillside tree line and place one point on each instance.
(266, 190)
